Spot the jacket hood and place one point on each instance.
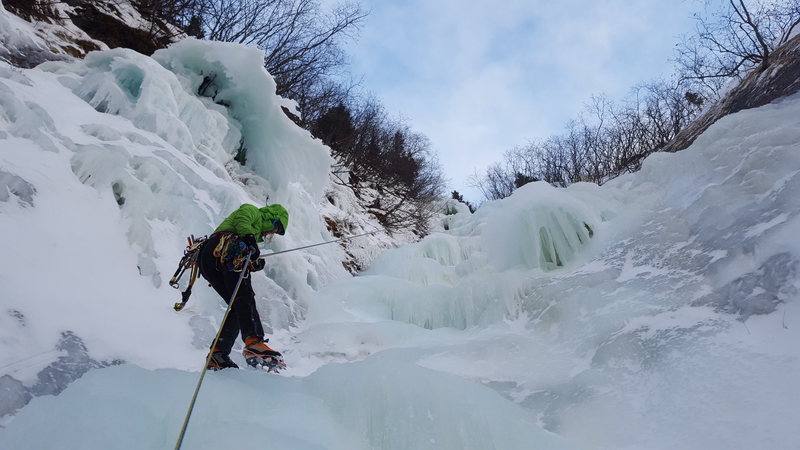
(277, 211)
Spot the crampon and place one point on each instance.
(272, 364)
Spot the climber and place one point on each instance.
(221, 261)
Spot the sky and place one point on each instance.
(480, 77)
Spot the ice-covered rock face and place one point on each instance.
(211, 102)
(234, 77)
(673, 292)
(469, 275)
(110, 162)
(150, 181)
(125, 83)
(198, 98)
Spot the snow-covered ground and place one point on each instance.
(659, 311)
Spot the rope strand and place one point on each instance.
(347, 238)
(227, 311)
(208, 358)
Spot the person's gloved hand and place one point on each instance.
(258, 265)
(252, 246)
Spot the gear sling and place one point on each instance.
(188, 262)
(229, 250)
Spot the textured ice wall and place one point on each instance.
(470, 275)
(108, 163)
(233, 76)
(538, 227)
(672, 326)
(210, 101)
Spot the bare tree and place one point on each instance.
(495, 183)
(605, 141)
(384, 154)
(735, 39)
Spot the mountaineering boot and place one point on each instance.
(258, 354)
(220, 360)
(254, 346)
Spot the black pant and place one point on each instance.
(244, 315)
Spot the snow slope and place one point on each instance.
(658, 311)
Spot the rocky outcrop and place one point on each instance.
(758, 88)
(72, 364)
(120, 26)
(73, 28)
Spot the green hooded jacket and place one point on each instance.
(249, 219)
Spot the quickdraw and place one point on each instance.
(188, 262)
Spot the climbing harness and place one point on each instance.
(231, 251)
